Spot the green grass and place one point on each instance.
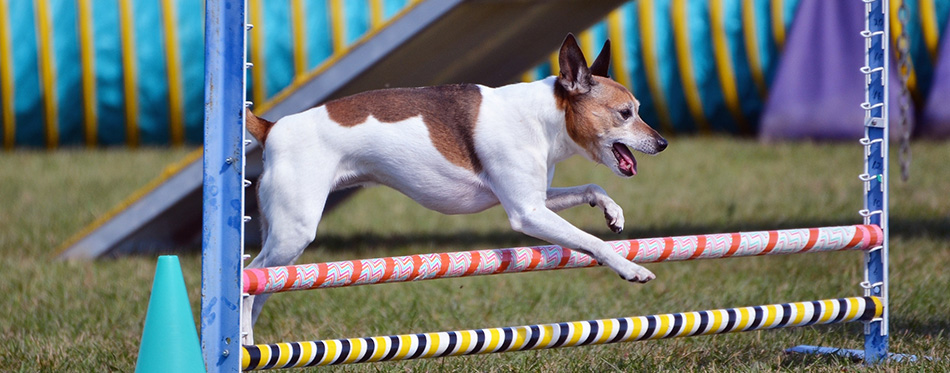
(87, 316)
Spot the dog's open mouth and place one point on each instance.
(625, 160)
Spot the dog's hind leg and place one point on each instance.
(292, 214)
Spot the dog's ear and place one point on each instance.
(575, 75)
(602, 63)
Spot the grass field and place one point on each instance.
(87, 316)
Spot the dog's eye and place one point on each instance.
(625, 113)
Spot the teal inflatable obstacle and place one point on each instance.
(107, 73)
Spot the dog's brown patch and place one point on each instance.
(587, 114)
(258, 127)
(449, 112)
(582, 135)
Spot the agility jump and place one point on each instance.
(225, 283)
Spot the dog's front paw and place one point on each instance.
(635, 273)
(614, 216)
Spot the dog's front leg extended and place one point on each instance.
(522, 187)
(540, 222)
(561, 198)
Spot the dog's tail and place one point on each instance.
(258, 127)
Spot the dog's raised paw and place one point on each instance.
(614, 223)
(614, 216)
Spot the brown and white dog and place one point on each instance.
(456, 149)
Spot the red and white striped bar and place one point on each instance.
(540, 258)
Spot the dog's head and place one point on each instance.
(602, 116)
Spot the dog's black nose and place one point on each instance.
(661, 144)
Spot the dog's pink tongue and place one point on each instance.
(627, 162)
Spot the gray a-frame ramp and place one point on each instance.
(435, 42)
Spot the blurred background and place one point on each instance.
(104, 74)
(130, 73)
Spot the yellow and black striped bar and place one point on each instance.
(566, 334)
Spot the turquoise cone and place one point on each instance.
(169, 340)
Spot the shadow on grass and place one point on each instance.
(932, 327)
(800, 362)
(472, 239)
